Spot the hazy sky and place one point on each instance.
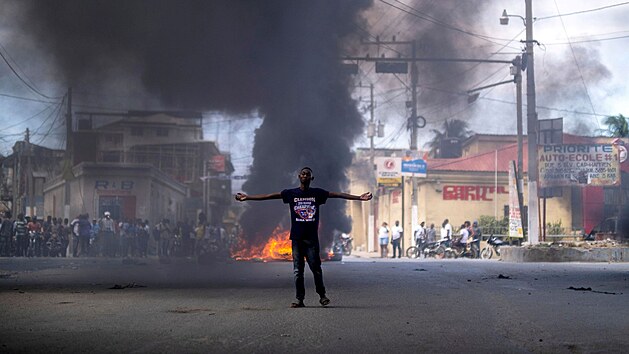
(583, 81)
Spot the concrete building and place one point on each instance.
(138, 164)
(476, 185)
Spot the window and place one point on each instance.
(111, 156)
(162, 132)
(113, 139)
(137, 131)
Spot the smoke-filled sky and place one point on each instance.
(267, 72)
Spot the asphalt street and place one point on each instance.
(101, 305)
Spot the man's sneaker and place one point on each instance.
(324, 301)
(299, 303)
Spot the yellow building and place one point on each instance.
(466, 188)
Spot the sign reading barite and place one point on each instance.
(573, 165)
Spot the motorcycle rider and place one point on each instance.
(465, 233)
(477, 234)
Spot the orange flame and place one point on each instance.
(278, 248)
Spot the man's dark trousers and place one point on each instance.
(310, 251)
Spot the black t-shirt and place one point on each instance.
(304, 211)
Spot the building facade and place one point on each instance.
(475, 185)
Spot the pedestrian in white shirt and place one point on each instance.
(383, 237)
(396, 238)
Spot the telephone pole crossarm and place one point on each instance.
(412, 60)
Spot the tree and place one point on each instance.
(451, 129)
(617, 126)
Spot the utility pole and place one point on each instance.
(371, 226)
(29, 172)
(67, 173)
(412, 122)
(373, 130)
(517, 62)
(399, 65)
(531, 119)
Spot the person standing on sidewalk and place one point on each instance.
(305, 203)
(383, 238)
(396, 236)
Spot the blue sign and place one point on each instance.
(414, 167)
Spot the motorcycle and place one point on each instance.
(53, 245)
(468, 250)
(34, 244)
(437, 249)
(493, 245)
(346, 244)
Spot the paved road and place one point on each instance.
(378, 305)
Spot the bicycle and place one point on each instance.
(417, 250)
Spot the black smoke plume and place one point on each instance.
(280, 58)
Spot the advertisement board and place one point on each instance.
(388, 171)
(515, 218)
(578, 165)
(414, 168)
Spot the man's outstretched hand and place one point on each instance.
(241, 197)
(366, 196)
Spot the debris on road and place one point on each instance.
(129, 285)
(590, 290)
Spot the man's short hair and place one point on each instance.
(306, 168)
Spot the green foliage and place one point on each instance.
(454, 128)
(617, 126)
(491, 225)
(554, 228)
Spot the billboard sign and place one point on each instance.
(416, 168)
(515, 217)
(217, 163)
(578, 165)
(389, 171)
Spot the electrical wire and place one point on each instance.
(60, 122)
(583, 11)
(588, 40)
(428, 18)
(31, 87)
(54, 113)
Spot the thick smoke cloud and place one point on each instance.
(280, 58)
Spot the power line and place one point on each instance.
(588, 40)
(428, 18)
(584, 11)
(23, 80)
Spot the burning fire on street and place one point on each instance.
(277, 248)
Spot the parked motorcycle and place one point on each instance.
(468, 250)
(493, 245)
(436, 249)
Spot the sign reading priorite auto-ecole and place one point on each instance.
(579, 164)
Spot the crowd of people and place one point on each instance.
(467, 233)
(27, 236)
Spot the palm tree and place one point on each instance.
(451, 129)
(617, 126)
